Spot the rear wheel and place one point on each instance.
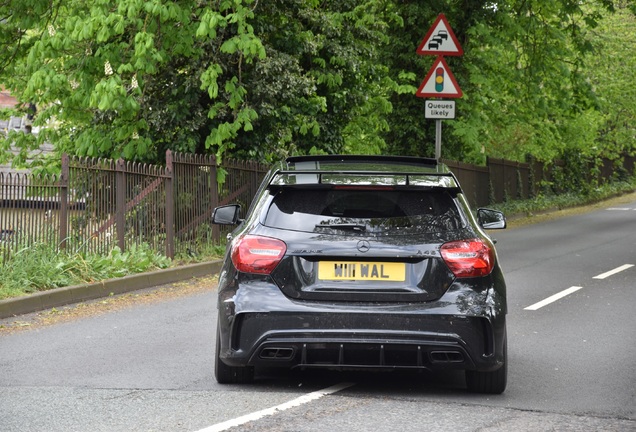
(490, 382)
(230, 374)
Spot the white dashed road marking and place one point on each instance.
(273, 410)
(553, 298)
(613, 272)
(574, 289)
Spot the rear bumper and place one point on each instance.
(462, 330)
(359, 341)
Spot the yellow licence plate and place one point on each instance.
(362, 271)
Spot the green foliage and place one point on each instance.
(263, 80)
(40, 267)
(266, 79)
(611, 67)
(322, 84)
(131, 78)
(550, 201)
(526, 73)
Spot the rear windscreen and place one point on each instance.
(387, 212)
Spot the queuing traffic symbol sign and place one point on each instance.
(440, 40)
(439, 82)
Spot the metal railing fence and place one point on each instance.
(97, 204)
(29, 211)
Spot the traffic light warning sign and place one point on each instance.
(440, 82)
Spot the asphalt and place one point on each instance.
(78, 293)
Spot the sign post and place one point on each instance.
(440, 82)
(438, 140)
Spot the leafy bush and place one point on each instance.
(548, 201)
(40, 267)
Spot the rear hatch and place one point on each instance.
(361, 244)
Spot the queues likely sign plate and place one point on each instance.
(440, 109)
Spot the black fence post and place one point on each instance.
(214, 198)
(120, 203)
(170, 200)
(63, 185)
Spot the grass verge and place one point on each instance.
(549, 203)
(40, 267)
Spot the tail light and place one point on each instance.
(469, 258)
(254, 254)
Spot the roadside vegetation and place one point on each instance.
(260, 80)
(41, 268)
(543, 80)
(543, 203)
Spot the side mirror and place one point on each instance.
(491, 219)
(226, 215)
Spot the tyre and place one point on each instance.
(230, 374)
(489, 382)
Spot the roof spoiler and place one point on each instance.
(410, 160)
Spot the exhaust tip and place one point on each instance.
(447, 357)
(277, 353)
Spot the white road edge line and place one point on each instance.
(273, 410)
(553, 298)
(613, 272)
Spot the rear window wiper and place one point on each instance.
(344, 226)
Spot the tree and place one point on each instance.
(132, 78)
(523, 75)
(610, 68)
(321, 71)
(264, 79)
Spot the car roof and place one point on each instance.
(363, 170)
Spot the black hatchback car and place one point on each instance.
(362, 263)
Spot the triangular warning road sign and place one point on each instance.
(440, 40)
(440, 82)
